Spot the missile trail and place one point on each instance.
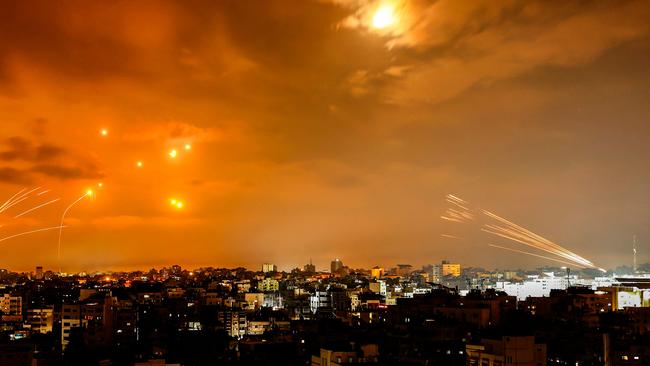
(450, 236)
(459, 212)
(36, 208)
(31, 232)
(535, 255)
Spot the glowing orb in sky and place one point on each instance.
(188, 147)
(176, 203)
(103, 132)
(173, 153)
(139, 164)
(384, 17)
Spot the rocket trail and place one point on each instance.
(535, 255)
(524, 239)
(503, 228)
(60, 227)
(36, 208)
(450, 236)
(450, 219)
(11, 199)
(31, 232)
(18, 199)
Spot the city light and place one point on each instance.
(173, 153)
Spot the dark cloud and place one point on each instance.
(67, 172)
(14, 176)
(19, 148)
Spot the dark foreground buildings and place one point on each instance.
(347, 317)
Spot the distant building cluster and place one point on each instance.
(439, 314)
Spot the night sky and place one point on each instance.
(321, 129)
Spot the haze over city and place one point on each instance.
(234, 133)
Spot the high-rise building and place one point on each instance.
(436, 273)
(269, 267)
(450, 269)
(309, 268)
(40, 320)
(336, 266)
(38, 274)
(11, 305)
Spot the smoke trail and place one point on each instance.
(36, 208)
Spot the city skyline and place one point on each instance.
(235, 133)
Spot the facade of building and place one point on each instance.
(450, 269)
(336, 266)
(40, 320)
(269, 267)
(268, 285)
(515, 351)
(11, 305)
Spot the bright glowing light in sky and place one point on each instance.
(384, 17)
(104, 132)
(89, 192)
(139, 164)
(100, 184)
(176, 203)
(188, 147)
(173, 153)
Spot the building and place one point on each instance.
(38, 274)
(94, 315)
(377, 272)
(268, 285)
(450, 269)
(40, 320)
(534, 286)
(436, 273)
(269, 267)
(320, 301)
(11, 305)
(309, 268)
(336, 266)
(515, 351)
(254, 300)
(234, 321)
(347, 355)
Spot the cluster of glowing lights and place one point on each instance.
(178, 204)
(173, 153)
